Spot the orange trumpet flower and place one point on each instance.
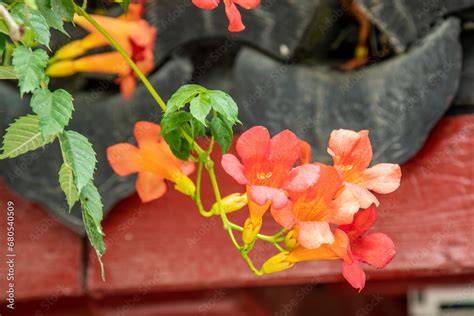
(153, 161)
(134, 35)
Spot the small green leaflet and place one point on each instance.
(53, 19)
(29, 67)
(7, 72)
(183, 96)
(221, 129)
(23, 136)
(79, 155)
(173, 121)
(200, 107)
(54, 110)
(92, 213)
(223, 104)
(66, 181)
(170, 126)
(64, 8)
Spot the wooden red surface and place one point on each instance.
(165, 245)
(48, 255)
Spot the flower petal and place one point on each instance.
(363, 196)
(363, 221)
(248, 4)
(107, 63)
(234, 168)
(375, 249)
(284, 149)
(343, 208)
(124, 158)
(150, 186)
(187, 167)
(354, 274)
(261, 194)
(314, 234)
(206, 4)
(235, 19)
(302, 177)
(349, 148)
(305, 152)
(147, 132)
(127, 86)
(253, 145)
(382, 178)
(284, 216)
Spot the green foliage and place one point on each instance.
(66, 181)
(34, 20)
(221, 129)
(80, 156)
(64, 8)
(23, 136)
(54, 110)
(124, 4)
(29, 67)
(52, 18)
(202, 102)
(92, 213)
(7, 72)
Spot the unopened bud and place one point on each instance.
(61, 69)
(251, 230)
(184, 185)
(277, 263)
(291, 240)
(231, 203)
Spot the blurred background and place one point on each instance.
(402, 69)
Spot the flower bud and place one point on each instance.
(251, 229)
(61, 69)
(184, 184)
(231, 203)
(277, 263)
(291, 239)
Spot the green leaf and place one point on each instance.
(66, 181)
(54, 110)
(223, 104)
(29, 67)
(64, 8)
(52, 18)
(200, 107)
(22, 136)
(34, 20)
(4, 27)
(178, 145)
(32, 4)
(2, 43)
(79, 154)
(183, 96)
(198, 129)
(92, 213)
(174, 120)
(221, 129)
(7, 72)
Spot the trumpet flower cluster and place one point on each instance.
(325, 211)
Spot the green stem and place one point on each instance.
(197, 197)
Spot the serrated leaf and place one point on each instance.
(64, 8)
(34, 20)
(182, 96)
(222, 132)
(223, 104)
(54, 110)
(92, 213)
(52, 18)
(2, 43)
(66, 181)
(23, 136)
(174, 120)
(79, 154)
(4, 27)
(200, 107)
(7, 72)
(197, 128)
(29, 67)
